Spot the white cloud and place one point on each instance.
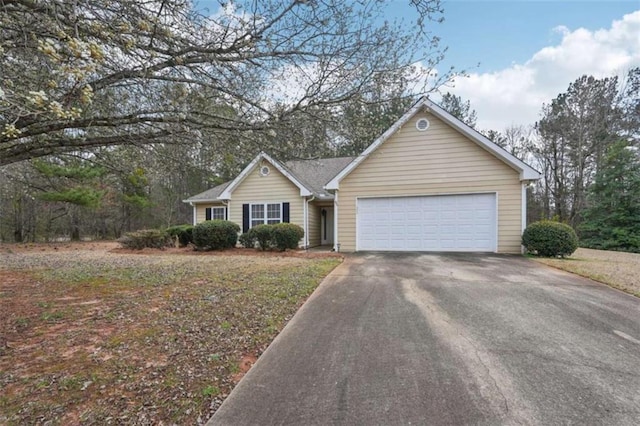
(515, 95)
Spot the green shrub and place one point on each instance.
(146, 238)
(550, 239)
(184, 233)
(263, 235)
(215, 235)
(247, 240)
(286, 236)
(281, 236)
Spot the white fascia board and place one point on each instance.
(526, 172)
(212, 200)
(226, 194)
(335, 182)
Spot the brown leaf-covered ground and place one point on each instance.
(617, 269)
(90, 334)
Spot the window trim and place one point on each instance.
(265, 217)
(224, 213)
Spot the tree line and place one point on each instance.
(112, 112)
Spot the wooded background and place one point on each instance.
(112, 112)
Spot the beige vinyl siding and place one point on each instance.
(274, 188)
(437, 161)
(314, 225)
(200, 210)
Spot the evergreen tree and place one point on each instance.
(459, 108)
(612, 221)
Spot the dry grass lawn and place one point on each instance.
(617, 269)
(93, 336)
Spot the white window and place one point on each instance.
(268, 213)
(216, 213)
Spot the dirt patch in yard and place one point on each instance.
(92, 336)
(617, 269)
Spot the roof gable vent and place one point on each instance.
(422, 124)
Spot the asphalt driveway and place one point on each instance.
(452, 339)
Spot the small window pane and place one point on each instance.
(256, 222)
(257, 211)
(273, 211)
(273, 221)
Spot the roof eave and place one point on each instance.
(226, 194)
(334, 184)
(526, 171)
(204, 200)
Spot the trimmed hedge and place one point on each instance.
(280, 236)
(263, 235)
(286, 236)
(550, 239)
(146, 238)
(184, 234)
(248, 240)
(215, 235)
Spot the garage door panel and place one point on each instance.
(429, 223)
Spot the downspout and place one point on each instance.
(336, 244)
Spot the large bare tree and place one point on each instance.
(89, 73)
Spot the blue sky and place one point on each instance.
(499, 33)
(528, 51)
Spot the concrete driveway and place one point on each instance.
(391, 339)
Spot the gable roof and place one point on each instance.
(308, 175)
(526, 171)
(316, 173)
(208, 195)
(226, 194)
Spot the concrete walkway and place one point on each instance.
(391, 339)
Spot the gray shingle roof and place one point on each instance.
(314, 174)
(208, 195)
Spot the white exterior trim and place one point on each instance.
(195, 214)
(524, 211)
(435, 194)
(524, 206)
(336, 244)
(226, 194)
(207, 200)
(305, 239)
(335, 182)
(497, 221)
(526, 171)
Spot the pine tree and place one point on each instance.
(612, 220)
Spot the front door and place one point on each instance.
(326, 225)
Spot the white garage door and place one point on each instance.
(435, 223)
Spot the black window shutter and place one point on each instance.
(285, 212)
(207, 213)
(226, 213)
(245, 218)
